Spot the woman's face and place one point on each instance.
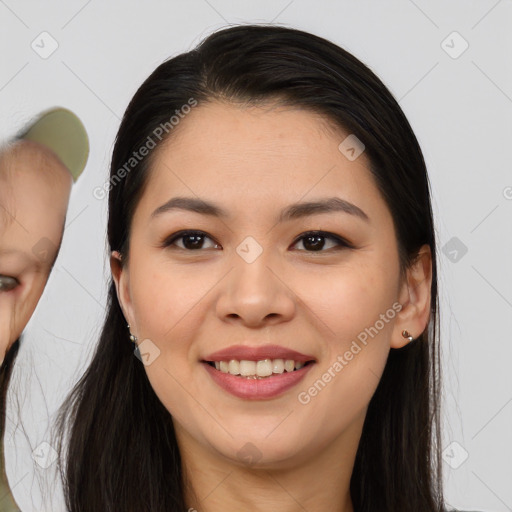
(34, 194)
(253, 278)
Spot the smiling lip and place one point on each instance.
(257, 389)
(241, 352)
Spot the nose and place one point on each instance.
(255, 294)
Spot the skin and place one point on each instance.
(34, 193)
(191, 302)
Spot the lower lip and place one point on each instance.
(257, 389)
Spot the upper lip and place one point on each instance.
(243, 352)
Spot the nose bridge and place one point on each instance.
(254, 274)
(254, 290)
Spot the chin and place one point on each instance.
(261, 452)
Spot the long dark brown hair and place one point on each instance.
(120, 452)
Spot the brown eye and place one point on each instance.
(8, 283)
(191, 240)
(314, 241)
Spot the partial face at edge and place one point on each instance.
(34, 194)
(196, 296)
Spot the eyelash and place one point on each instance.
(169, 241)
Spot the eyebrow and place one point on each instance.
(291, 212)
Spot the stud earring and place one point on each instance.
(406, 334)
(132, 337)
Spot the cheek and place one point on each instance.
(169, 304)
(358, 310)
(165, 307)
(357, 318)
(350, 303)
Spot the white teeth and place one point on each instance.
(278, 366)
(264, 368)
(255, 369)
(247, 368)
(289, 365)
(233, 367)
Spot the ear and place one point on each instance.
(120, 274)
(415, 299)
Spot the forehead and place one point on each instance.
(248, 154)
(33, 188)
(222, 124)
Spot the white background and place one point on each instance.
(460, 109)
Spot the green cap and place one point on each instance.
(63, 132)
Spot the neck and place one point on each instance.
(216, 483)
